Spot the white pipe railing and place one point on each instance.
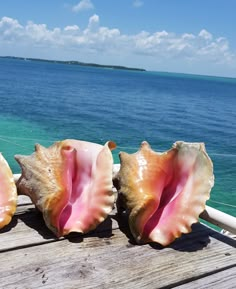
(220, 219)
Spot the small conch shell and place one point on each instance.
(70, 183)
(8, 193)
(164, 193)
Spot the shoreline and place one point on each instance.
(74, 62)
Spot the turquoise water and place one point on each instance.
(44, 102)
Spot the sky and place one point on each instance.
(186, 36)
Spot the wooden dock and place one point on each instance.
(31, 257)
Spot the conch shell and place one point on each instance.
(164, 193)
(70, 183)
(8, 193)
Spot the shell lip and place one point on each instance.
(72, 217)
(178, 202)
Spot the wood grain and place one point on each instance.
(28, 228)
(107, 258)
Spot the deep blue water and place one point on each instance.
(43, 102)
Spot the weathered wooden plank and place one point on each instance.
(225, 279)
(108, 260)
(28, 228)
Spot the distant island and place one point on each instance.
(73, 62)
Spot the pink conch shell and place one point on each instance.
(164, 192)
(8, 193)
(70, 183)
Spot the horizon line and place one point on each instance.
(115, 66)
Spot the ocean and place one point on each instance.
(42, 102)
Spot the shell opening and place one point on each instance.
(168, 200)
(79, 179)
(174, 188)
(88, 175)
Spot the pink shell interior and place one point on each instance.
(8, 194)
(88, 182)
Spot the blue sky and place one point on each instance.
(185, 36)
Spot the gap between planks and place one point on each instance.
(188, 283)
(223, 279)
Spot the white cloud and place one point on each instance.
(9, 22)
(93, 22)
(158, 50)
(205, 34)
(138, 3)
(71, 28)
(83, 5)
(10, 29)
(188, 36)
